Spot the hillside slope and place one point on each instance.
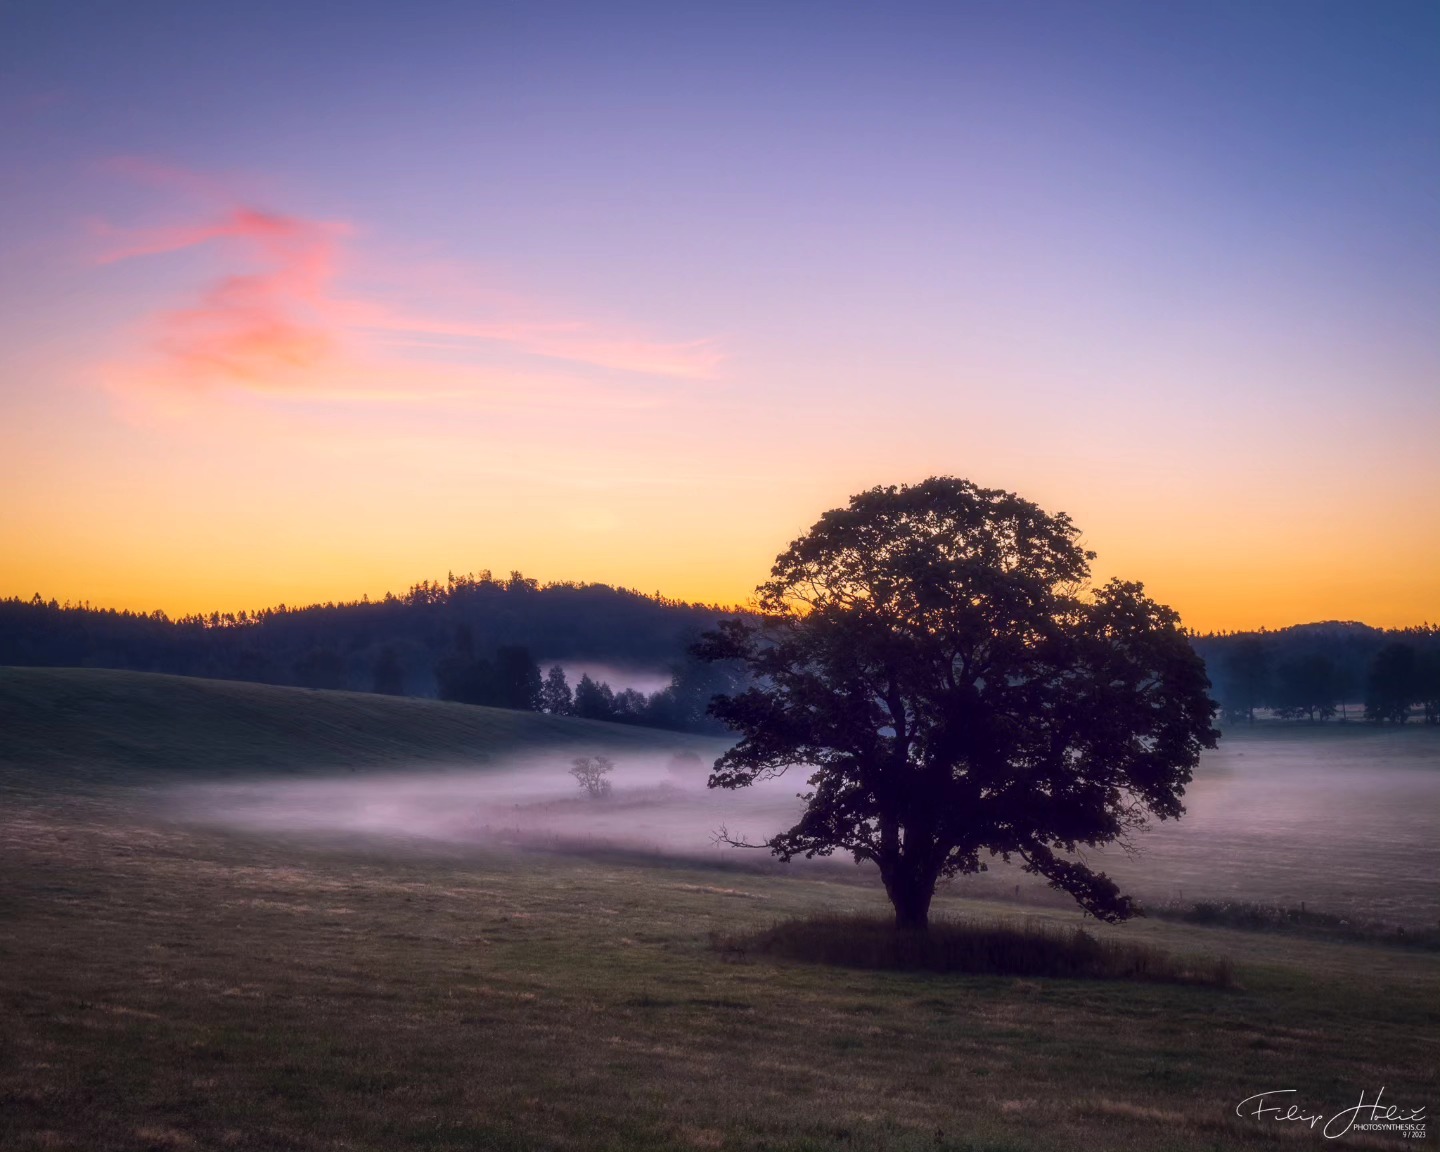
(103, 724)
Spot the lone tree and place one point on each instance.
(590, 773)
(934, 656)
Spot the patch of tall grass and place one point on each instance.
(971, 946)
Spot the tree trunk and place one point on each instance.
(911, 895)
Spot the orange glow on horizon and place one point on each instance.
(285, 416)
(333, 563)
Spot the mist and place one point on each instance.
(1342, 822)
(646, 681)
(658, 803)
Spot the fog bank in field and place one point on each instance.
(657, 803)
(1344, 820)
(646, 681)
(1347, 820)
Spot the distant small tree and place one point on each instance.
(590, 773)
(555, 695)
(1393, 684)
(688, 766)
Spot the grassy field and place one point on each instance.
(94, 725)
(167, 985)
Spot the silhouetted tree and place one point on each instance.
(555, 695)
(1393, 684)
(465, 681)
(685, 703)
(1305, 686)
(516, 682)
(1427, 677)
(1349, 676)
(389, 677)
(1246, 679)
(629, 706)
(932, 656)
(594, 701)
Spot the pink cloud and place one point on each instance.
(258, 329)
(280, 324)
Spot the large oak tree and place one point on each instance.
(935, 658)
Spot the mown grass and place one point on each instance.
(168, 987)
(988, 947)
(98, 725)
(1252, 916)
(175, 987)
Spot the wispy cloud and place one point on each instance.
(280, 321)
(268, 328)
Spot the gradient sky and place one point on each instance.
(305, 301)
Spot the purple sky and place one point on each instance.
(305, 301)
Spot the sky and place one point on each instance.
(300, 302)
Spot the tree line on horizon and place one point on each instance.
(479, 638)
(1316, 672)
(470, 639)
(511, 678)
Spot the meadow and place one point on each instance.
(181, 973)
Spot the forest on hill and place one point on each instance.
(474, 638)
(505, 641)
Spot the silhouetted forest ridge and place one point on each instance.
(474, 638)
(484, 640)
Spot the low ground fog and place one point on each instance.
(656, 803)
(1345, 821)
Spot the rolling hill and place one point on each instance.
(82, 723)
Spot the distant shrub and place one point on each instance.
(688, 767)
(972, 946)
(590, 773)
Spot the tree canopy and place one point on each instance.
(935, 657)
